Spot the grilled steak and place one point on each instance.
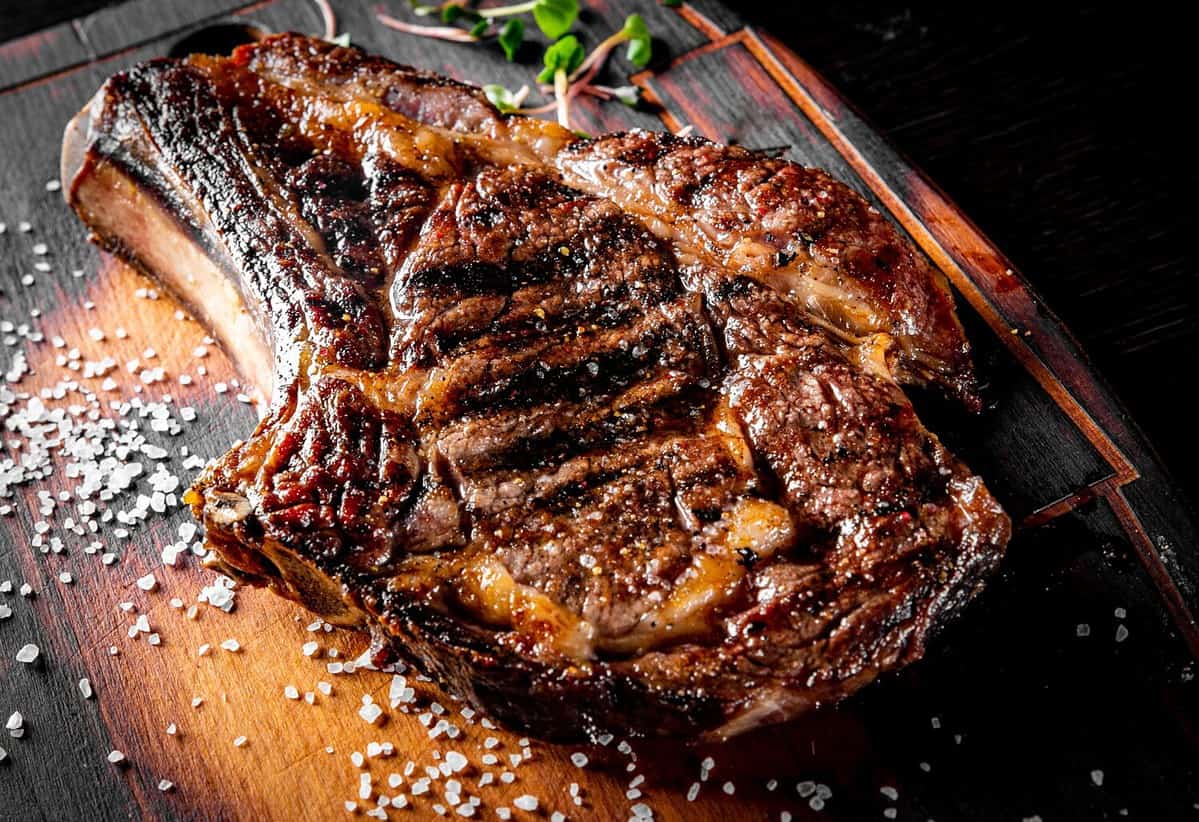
(606, 435)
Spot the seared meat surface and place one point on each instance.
(607, 435)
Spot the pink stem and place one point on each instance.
(545, 109)
(329, 17)
(450, 33)
(584, 80)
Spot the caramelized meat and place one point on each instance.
(608, 435)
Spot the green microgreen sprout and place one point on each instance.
(561, 60)
(635, 33)
(511, 36)
(568, 70)
(553, 17)
(506, 101)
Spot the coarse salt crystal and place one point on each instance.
(28, 653)
(115, 756)
(526, 802)
(370, 713)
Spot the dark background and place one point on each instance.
(1065, 133)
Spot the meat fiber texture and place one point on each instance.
(607, 435)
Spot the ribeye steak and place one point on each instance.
(605, 434)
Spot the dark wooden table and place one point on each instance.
(1031, 122)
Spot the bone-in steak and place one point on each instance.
(606, 434)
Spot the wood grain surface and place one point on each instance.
(1017, 711)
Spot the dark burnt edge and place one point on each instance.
(514, 689)
(332, 299)
(464, 659)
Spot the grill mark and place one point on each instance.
(527, 440)
(510, 333)
(654, 453)
(475, 278)
(591, 364)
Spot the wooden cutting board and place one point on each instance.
(1067, 691)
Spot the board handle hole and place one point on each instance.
(218, 39)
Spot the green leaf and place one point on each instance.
(555, 17)
(629, 95)
(565, 55)
(451, 13)
(501, 98)
(480, 28)
(671, 4)
(511, 36)
(422, 9)
(640, 44)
